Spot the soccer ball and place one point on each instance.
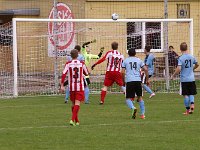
(115, 16)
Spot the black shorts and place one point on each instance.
(188, 88)
(143, 78)
(86, 81)
(66, 83)
(133, 88)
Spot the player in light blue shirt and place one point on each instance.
(186, 66)
(131, 69)
(149, 62)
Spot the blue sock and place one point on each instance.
(67, 94)
(123, 88)
(191, 99)
(186, 102)
(129, 103)
(86, 92)
(142, 107)
(147, 89)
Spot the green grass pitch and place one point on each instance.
(35, 123)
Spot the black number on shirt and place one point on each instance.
(76, 70)
(188, 63)
(133, 65)
(116, 62)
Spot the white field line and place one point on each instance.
(96, 125)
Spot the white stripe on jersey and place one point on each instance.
(115, 60)
(75, 70)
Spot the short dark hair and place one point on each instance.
(78, 47)
(74, 53)
(183, 46)
(114, 45)
(132, 52)
(171, 47)
(148, 48)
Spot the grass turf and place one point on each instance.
(43, 123)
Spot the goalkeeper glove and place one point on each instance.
(102, 49)
(93, 67)
(101, 52)
(93, 41)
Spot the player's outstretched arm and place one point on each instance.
(101, 52)
(100, 60)
(87, 43)
(91, 56)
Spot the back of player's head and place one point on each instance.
(183, 46)
(74, 53)
(171, 47)
(132, 52)
(78, 48)
(114, 45)
(148, 48)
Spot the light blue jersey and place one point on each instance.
(132, 66)
(149, 60)
(80, 58)
(186, 61)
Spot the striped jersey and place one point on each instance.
(115, 60)
(75, 70)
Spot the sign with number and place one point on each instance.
(61, 38)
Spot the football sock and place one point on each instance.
(67, 94)
(123, 88)
(86, 92)
(76, 119)
(129, 103)
(142, 107)
(147, 89)
(75, 113)
(103, 95)
(72, 108)
(191, 99)
(186, 102)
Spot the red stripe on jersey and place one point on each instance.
(81, 79)
(110, 65)
(70, 78)
(119, 64)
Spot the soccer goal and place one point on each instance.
(40, 47)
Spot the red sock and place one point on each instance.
(76, 119)
(103, 95)
(75, 113)
(72, 108)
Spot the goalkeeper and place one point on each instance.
(85, 51)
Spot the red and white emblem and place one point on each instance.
(61, 33)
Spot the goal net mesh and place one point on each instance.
(39, 69)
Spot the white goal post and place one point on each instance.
(15, 21)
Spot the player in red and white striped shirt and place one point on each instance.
(75, 70)
(113, 70)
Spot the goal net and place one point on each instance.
(40, 47)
